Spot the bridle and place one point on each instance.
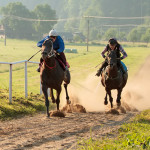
(109, 63)
(50, 54)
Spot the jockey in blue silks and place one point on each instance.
(58, 46)
(113, 45)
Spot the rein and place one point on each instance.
(49, 66)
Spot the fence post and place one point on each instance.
(26, 82)
(40, 88)
(10, 84)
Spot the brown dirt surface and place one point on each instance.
(59, 133)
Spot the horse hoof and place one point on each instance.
(68, 102)
(53, 101)
(48, 115)
(111, 105)
(105, 102)
(119, 104)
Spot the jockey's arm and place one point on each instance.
(103, 52)
(39, 44)
(61, 45)
(123, 52)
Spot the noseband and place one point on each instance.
(49, 55)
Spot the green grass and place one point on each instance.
(82, 64)
(132, 136)
(20, 106)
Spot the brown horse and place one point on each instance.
(52, 75)
(112, 78)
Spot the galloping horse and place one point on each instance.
(112, 78)
(52, 75)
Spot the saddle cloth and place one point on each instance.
(62, 64)
(124, 67)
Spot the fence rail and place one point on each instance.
(25, 73)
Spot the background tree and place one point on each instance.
(44, 12)
(146, 37)
(17, 28)
(110, 33)
(133, 35)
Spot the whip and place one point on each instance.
(34, 55)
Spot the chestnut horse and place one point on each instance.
(52, 75)
(113, 78)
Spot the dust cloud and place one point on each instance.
(137, 91)
(90, 93)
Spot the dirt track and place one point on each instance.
(40, 133)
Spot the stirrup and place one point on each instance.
(38, 69)
(66, 68)
(98, 73)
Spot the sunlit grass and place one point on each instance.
(132, 136)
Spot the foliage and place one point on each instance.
(110, 33)
(146, 37)
(20, 105)
(44, 12)
(133, 35)
(14, 27)
(25, 29)
(76, 10)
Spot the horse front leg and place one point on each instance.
(105, 102)
(110, 98)
(52, 95)
(44, 89)
(119, 97)
(58, 91)
(67, 96)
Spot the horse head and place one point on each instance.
(112, 58)
(47, 49)
(112, 63)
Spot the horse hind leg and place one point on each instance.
(119, 97)
(52, 95)
(67, 96)
(105, 100)
(110, 98)
(58, 91)
(44, 89)
(67, 76)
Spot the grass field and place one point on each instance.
(82, 63)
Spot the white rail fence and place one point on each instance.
(26, 77)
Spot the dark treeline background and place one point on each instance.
(76, 29)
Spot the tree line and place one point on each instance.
(23, 29)
(60, 9)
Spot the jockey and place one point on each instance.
(58, 46)
(113, 45)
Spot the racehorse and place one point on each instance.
(113, 78)
(52, 75)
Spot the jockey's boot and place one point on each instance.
(104, 64)
(38, 69)
(99, 72)
(66, 68)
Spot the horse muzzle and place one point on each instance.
(44, 55)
